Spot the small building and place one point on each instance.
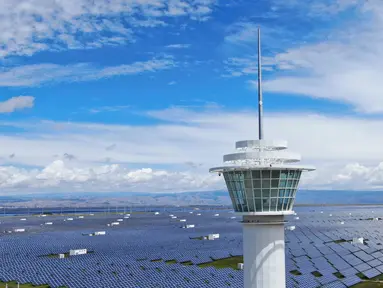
(48, 223)
(296, 218)
(290, 228)
(80, 217)
(189, 226)
(216, 215)
(23, 219)
(213, 236)
(114, 223)
(240, 266)
(233, 217)
(357, 240)
(120, 220)
(182, 220)
(99, 233)
(19, 230)
(156, 213)
(74, 252)
(61, 256)
(199, 214)
(69, 219)
(174, 217)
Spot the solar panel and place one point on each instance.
(146, 250)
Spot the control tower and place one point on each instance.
(262, 179)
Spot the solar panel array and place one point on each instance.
(147, 250)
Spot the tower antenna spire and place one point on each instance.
(260, 101)
(263, 216)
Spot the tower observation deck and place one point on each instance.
(262, 178)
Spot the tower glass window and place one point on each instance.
(262, 190)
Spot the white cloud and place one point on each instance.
(242, 66)
(109, 109)
(352, 176)
(148, 23)
(30, 26)
(31, 75)
(328, 142)
(318, 8)
(346, 67)
(16, 103)
(178, 46)
(62, 177)
(242, 32)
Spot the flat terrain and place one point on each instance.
(230, 262)
(14, 285)
(147, 249)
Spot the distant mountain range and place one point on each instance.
(181, 199)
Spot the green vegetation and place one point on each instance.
(13, 284)
(197, 238)
(316, 274)
(361, 276)
(340, 241)
(339, 275)
(230, 262)
(66, 255)
(156, 260)
(187, 263)
(295, 272)
(378, 278)
(376, 282)
(171, 261)
(56, 255)
(369, 284)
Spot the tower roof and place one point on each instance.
(261, 154)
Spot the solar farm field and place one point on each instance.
(148, 250)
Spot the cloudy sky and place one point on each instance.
(147, 95)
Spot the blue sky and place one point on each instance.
(146, 95)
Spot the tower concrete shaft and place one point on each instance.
(264, 251)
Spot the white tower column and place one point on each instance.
(264, 251)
